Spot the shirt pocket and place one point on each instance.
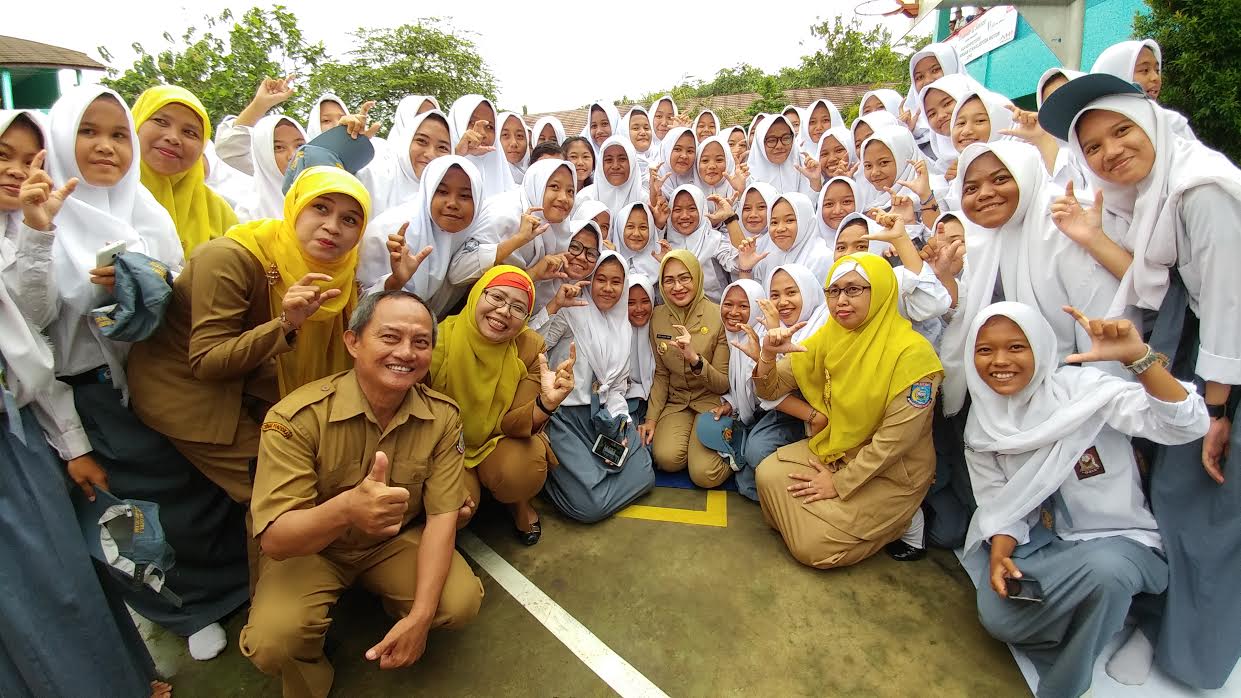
(410, 471)
(336, 476)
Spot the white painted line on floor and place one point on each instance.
(607, 665)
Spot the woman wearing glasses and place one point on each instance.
(691, 372)
(774, 158)
(496, 370)
(854, 485)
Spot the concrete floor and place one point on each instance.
(700, 611)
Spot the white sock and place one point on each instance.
(913, 535)
(1131, 664)
(208, 642)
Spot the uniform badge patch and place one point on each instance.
(704, 330)
(1089, 465)
(920, 394)
(663, 347)
(281, 429)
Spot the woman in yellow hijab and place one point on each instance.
(254, 315)
(173, 128)
(495, 368)
(855, 484)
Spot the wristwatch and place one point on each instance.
(1217, 411)
(698, 365)
(1151, 358)
(730, 219)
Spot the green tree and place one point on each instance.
(421, 58)
(770, 98)
(1202, 67)
(852, 56)
(225, 64)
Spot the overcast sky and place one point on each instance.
(554, 55)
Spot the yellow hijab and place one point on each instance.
(680, 315)
(852, 375)
(481, 376)
(198, 212)
(320, 349)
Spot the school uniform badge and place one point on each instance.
(279, 428)
(920, 394)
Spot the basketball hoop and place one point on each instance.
(887, 8)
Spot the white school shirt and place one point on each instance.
(1111, 503)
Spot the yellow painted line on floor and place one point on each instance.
(716, 513)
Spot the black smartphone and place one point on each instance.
(1024, 589)
(611, 451)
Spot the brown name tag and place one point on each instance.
(1089, 465)
(279, 428)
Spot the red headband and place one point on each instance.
(514, 280)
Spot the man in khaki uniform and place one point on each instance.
(345, 466)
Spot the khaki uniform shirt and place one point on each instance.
(321, 441)
(218, 341)
(882, 481)
(676, 386)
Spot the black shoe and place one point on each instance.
(529, 537)
(901, 551)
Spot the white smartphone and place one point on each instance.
(612, 452)
(106, 256)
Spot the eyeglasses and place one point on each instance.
(686, 280)
(851, 291)
(501, 302)
(577, 249)
(773, 141)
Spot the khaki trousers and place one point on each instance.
(514, 472)
(676, 447)
(809, 538)
(227, 465)
(289, 616)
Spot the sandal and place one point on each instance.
(529, 537)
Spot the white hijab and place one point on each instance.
(518, 169)
(784, 177)
(609, 110)
(714, 119)
(808, 250)
(803, 134)
(704, 240)
(1044, 428)
(374, 263)
(224, 179)
(391, 180)
(949, 61)
(641, 260)
(1120, 59)
(500, 217)
(669, 142)
(901, 143)
(641, 357)
(826, 232)
(842, 136)
(312, 122)
(27, 356)
(876, 247)
(724, 188)
(407, 112)
(652, 153)
(600, 357)
(814, 309)
(1146, 218)
(955, 86)
(875, 120)
(997, 110)
(1048, 75)
(655, 107)
(543, 122)
(493, 166)
(1018, 254)
(741, 393)
(95, 216)
(615, 197)
(891, 100)
(769, 195)
(266, 198)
